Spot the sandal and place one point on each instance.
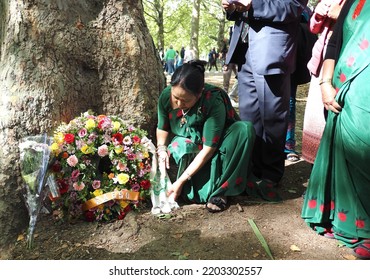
(362, 251)
(292, 157)
(328, 233)
(220, 202)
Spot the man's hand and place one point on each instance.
(236, 5)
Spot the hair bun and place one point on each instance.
(200, 64)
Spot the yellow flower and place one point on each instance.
(87, 149)
(116, 125)
(123, 203)
(55, 148)
(59, 137)
(98, 192)
(118, 149)
(90, 123)
(122, 178)
(146, 154)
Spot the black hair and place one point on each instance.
(190, 76)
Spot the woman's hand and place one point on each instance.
(176, 189)
(321, 10)
(328, 93)
(163, 159)
(334, 11)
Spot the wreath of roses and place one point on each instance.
(102, 167)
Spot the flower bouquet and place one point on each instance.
(102, 167)
(35, 159)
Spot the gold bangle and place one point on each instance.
(323, 81)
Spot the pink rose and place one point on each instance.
(78, 187)
(96, 184)
(103, 150)
(72, 160)
(121, 166)
(82, 132)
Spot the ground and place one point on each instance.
(192, 232)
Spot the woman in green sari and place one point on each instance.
(211, 145)
(337, 201)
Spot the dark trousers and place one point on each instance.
(264, 100)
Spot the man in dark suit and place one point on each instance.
(264, 76)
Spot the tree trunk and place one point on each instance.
(195, 28)
(59, 58)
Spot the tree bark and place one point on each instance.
(195, 28)
(59, 58)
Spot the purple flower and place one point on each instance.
(96, 184)
(135, 187)
(74, 175)
(82, 132)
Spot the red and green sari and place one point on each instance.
(338, 194)
(213, 122)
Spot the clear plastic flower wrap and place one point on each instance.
(35, 160)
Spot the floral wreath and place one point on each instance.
(102, 167)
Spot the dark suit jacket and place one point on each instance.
(272, 35)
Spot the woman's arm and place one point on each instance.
(328, 92)
(199, 161)
(162, 141)
(162, 137)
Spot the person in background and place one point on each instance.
(169, 58)
(211, 146)
(189, 55)
(321, 22)
(212, 59)
(300, 76)
(264, 80)
(337, 204)
(229, 69)
(233, 94)
(181, 57)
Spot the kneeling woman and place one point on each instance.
(211, 145)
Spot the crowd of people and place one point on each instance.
(220, 153)
(172, 59)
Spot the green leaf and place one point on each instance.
(260, 238)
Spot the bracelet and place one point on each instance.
(323, 81)
(187, 173)
(161, 148)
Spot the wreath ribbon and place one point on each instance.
(117, 195)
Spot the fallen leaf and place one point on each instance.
(295, 248)
(20, 237)
(239, 207)
(349, 257)
(177, 235)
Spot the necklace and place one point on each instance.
(183, 119)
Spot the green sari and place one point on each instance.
(338, 194)
(213, 122)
